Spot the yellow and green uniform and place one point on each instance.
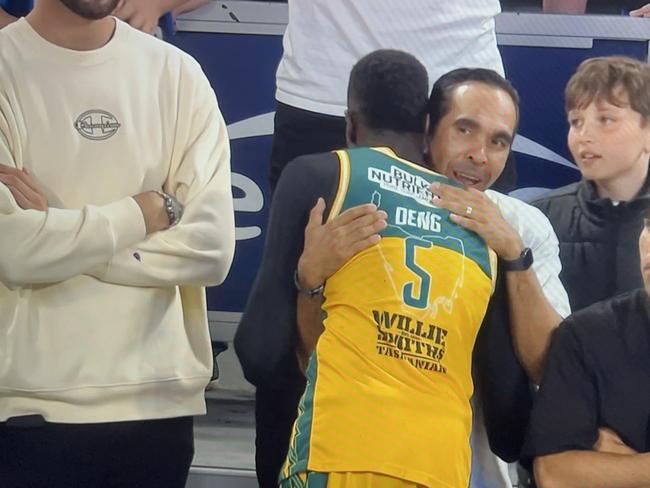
(389, 383)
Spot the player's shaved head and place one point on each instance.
(388, 90)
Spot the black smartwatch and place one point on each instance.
(522, 263)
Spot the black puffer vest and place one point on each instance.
(599, 241)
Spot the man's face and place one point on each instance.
(644, 251)
(608, 140)
(472, 141)
(91, 9)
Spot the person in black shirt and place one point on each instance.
(590, 426)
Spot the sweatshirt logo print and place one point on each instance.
(97, 125)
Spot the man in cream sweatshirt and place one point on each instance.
(107, 136)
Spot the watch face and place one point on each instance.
(528, 257)
(522, 263)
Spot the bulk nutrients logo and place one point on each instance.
(97, 125)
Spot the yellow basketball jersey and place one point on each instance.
(389, 384)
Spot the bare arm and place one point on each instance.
(588, 469)
(532, 316)
(565, 6)
(533, 321)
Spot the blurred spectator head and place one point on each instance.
(615, 79)
(608, 107)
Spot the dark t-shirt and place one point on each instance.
(597, 375)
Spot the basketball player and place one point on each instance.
(388, 388)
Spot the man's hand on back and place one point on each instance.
(328, 246)
(26, 191)
(473, 210)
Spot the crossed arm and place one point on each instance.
(593, 469)
(42, 244)
(571, 447)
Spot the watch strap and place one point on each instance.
(522, 263)
(310, 292)
(173, 208)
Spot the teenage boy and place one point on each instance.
(598, 220)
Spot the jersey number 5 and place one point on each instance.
(421, 300)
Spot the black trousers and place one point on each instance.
(276, 408)
(299, 132)
(143, 454)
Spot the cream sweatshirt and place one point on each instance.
(99, 323)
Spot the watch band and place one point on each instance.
(522, 263)
(173, 208)
(307, 291)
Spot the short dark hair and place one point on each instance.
(441, 93)
(599, 78)
(389, 88)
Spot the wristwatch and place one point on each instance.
(522, 263)
(307, 291)
(173, 207)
